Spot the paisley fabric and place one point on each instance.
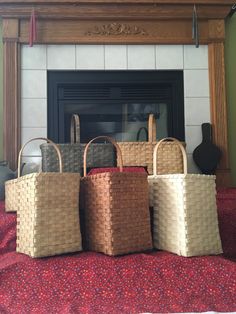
(87, 282)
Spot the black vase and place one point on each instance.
(207, 155)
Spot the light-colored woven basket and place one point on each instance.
(115, 211)
(101, 154)
(11, 196)
(47, 211)
(185, 218)
(141, 153)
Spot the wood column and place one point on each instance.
(219, 109)
(11, 92)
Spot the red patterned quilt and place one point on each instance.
(156, 282)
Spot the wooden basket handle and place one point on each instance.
(43, 139)
(75, 129)
(184, 155)
(152, 128)
(139, 132)
(109, 139)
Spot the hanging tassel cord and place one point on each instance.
(233, 10)
(32, 30)
(195, 35)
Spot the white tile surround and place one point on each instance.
(35, 61)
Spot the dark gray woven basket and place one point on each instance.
(99, 155)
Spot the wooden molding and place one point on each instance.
(211, 2)
(10, 29)
(219, 108)
(123, 32)
(11, 102)
(91, 10)
(216, 30)
(96, 21)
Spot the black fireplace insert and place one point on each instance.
(115, 103)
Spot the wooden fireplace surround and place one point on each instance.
(114, 22)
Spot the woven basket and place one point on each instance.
(47, 211)
(72, 153)
(169, 159)
(11, 196)
(185, 215)
(141, 153)
(115, 210)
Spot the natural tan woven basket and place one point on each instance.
(169, 159)
(115, 210)
(12, 194)
(185, 218)
(47, 211)
(141, 153)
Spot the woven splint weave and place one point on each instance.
(115, 210)
(185, 218)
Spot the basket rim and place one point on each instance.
(116, 174)
(182, 175)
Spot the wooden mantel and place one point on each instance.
(115, 22)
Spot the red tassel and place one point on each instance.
(32, 30)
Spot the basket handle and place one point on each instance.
(44, 139)
(75, 129)
(109, 139)
(152, 128)
(139, 132)
(184, 155)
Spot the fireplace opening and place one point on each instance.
(115, 103)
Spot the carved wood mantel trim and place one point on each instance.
(11, 91)
(114, 22)
(119, 32)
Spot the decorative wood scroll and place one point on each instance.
(116, 29)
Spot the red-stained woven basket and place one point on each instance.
(114, 210)
(112, 169)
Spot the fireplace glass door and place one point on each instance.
(115, 103)
(124, 122)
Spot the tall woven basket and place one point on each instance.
(115, 210)
(47, 211)
(185, 218)
(72, 153)
(141, 153)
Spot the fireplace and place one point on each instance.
(174, 78)
(115, 103)
(98, 23)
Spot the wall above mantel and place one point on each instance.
(115, 22)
